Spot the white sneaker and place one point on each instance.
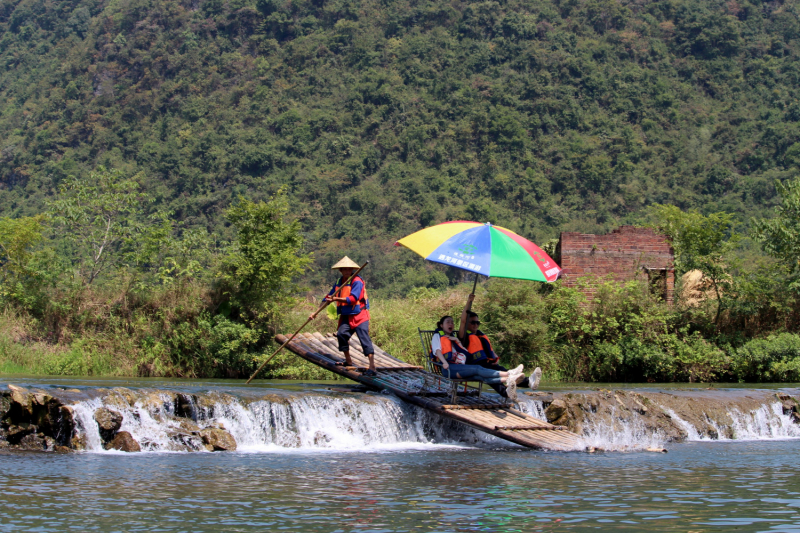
(536, 377)
(511, 384)
(518, 369)
(511, 390)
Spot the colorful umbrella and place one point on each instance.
(488, 250)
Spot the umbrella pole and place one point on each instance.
(462, 330)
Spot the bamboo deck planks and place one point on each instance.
(489, 412)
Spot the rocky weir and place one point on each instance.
(131, 420)
(625, 419)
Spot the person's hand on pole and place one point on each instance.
(462, 329)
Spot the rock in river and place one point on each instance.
(218, 439)
(15, 433)
(125, 442)
(108, 422)
(32, 442)
(20, 408)
(556, 410)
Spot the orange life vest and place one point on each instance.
(362, 303)
(475, 348)
(487, 347)
(450, 350)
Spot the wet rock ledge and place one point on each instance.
(711, 413)
(33, 420)
(56, 420)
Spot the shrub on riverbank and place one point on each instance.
(776, 358)
(127, 294)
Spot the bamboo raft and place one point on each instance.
(487, 412)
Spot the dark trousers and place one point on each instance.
(344, 333)
(501, 389)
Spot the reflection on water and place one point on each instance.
(699, 486)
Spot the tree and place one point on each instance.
(266, 257)
(21, 268)
(701, 242)
(102, 217)
(780, 236)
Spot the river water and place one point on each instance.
(410, 478)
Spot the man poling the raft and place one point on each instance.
(313, 315)
(352, 305)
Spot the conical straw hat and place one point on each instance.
(345, 262)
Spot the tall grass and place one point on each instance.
(394, 321)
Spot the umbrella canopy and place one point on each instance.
(488, 250)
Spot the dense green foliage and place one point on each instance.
(700, 242)
(130, 294)
(776, 358)
(383, 117)
(780, 235)
(23, 271)
(257, 276)
(626, 334)
(139, 138)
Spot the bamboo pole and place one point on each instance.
(312, 317)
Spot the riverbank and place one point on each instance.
(628, 336)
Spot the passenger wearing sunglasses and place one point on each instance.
(447, 352)
(481, 352)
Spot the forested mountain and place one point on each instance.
(382, 116)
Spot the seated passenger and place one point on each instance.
(447, 351)
(480, 348)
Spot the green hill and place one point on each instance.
(384, 116)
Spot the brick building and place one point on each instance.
(626, 253)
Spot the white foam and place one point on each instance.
(621, 434)
(375, 423)
(85, 424)
(691, 431)
(378, 423)
(532, 407)
(765, 423)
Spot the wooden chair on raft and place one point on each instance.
(425, 336)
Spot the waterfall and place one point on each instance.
(296, 422)
(85, 424)
(341, 421)
(621, 433)
(535, 408)
(691, 431)
(766, 422)
(628, 431)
